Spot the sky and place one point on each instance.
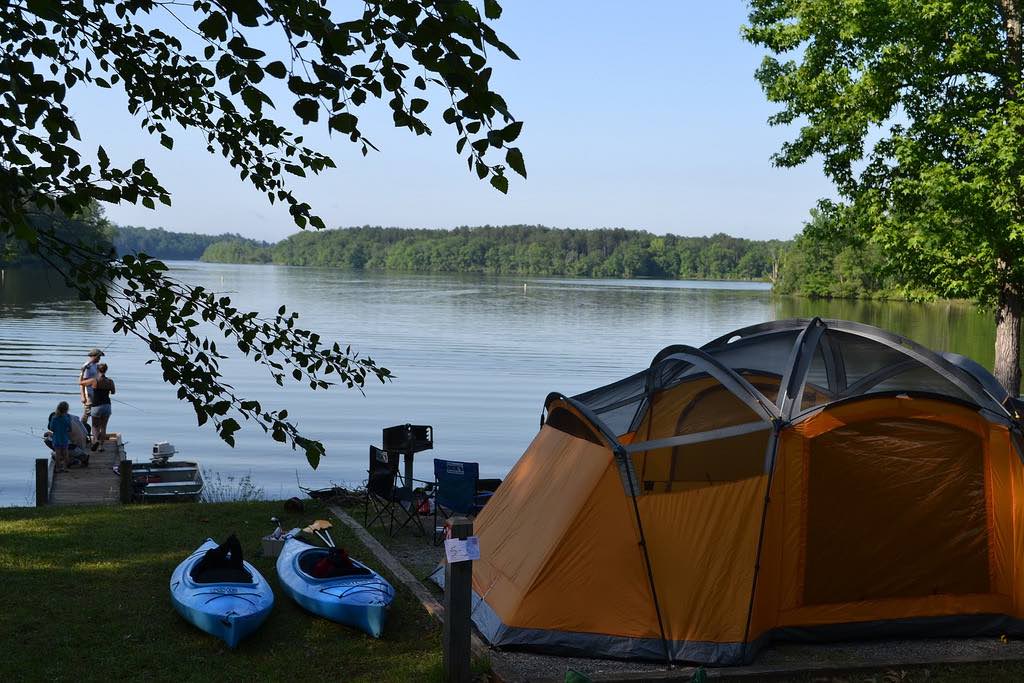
(640, 115)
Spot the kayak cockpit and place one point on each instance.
(223, 564)
(308, 559)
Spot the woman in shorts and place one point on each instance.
(102, 387)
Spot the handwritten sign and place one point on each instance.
(462, 550)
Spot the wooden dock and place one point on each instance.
(96, 484)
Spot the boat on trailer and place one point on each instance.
(164, 480)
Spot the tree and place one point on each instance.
(204, 75)
(915, 110)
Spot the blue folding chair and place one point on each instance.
(456, 489)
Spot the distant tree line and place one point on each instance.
(163, 244)
(517, 250)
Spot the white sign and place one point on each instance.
(462, 550)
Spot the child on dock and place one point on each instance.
(60, 428)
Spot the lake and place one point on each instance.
(474, 356)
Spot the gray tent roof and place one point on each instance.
(800, 365)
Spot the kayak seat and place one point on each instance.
(222, 564)
(309, 558)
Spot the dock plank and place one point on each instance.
(93, 485)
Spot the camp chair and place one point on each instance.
(457, 489)
(391, 502)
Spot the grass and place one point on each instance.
(86, 597)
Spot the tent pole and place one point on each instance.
(773, 445)
(621, 453)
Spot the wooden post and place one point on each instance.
(42, 481)
(125, 470)
(458, 605)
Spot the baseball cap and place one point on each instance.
(95, 353)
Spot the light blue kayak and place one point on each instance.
(359, 600)
(230, 610)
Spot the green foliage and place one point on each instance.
(914, 109)
(164, 244)
(833, 259)
(518, 250)
(216, 87)
(235, 250)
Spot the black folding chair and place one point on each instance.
(391, 502)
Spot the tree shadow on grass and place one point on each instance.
(87, 597)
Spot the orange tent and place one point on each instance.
(797, 479)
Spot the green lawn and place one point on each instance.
(85, 597)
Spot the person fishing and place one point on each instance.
(87, 372)
(101, 388)
(60, 435)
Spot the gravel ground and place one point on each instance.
(785, 660)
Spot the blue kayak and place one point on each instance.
(229, 604)
(360, 599)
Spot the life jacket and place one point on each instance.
(335, 563)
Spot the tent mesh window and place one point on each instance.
(694, 407)
(895, 508)
(846, 365)
(764, 355)
(566, 421)
(617, 404)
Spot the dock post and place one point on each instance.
(125, 471)
(458, 605)
(42, 481)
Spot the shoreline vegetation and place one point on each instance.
(822, 262)
(531, 250)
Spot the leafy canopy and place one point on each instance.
(914, 108)
(205, 75)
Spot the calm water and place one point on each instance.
(474, 357)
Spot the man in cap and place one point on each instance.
(88, 372)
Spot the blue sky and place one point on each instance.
(641, 115)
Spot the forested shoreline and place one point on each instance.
(829, 259)
(517, 250)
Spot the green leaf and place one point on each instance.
(514, 158)
(247, 11)
(45, 9)
(417, 105)
(253, 99)
(500, 183)
(343, 122)
(307, 109)
(492, 10)
(225, 66)
(510, 132)
(214, 26)
(276, 69)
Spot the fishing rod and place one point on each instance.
(130, 405)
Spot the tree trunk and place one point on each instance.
(1007, 362)
(1007, 365)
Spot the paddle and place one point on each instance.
(324, 525)
(315, 528)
